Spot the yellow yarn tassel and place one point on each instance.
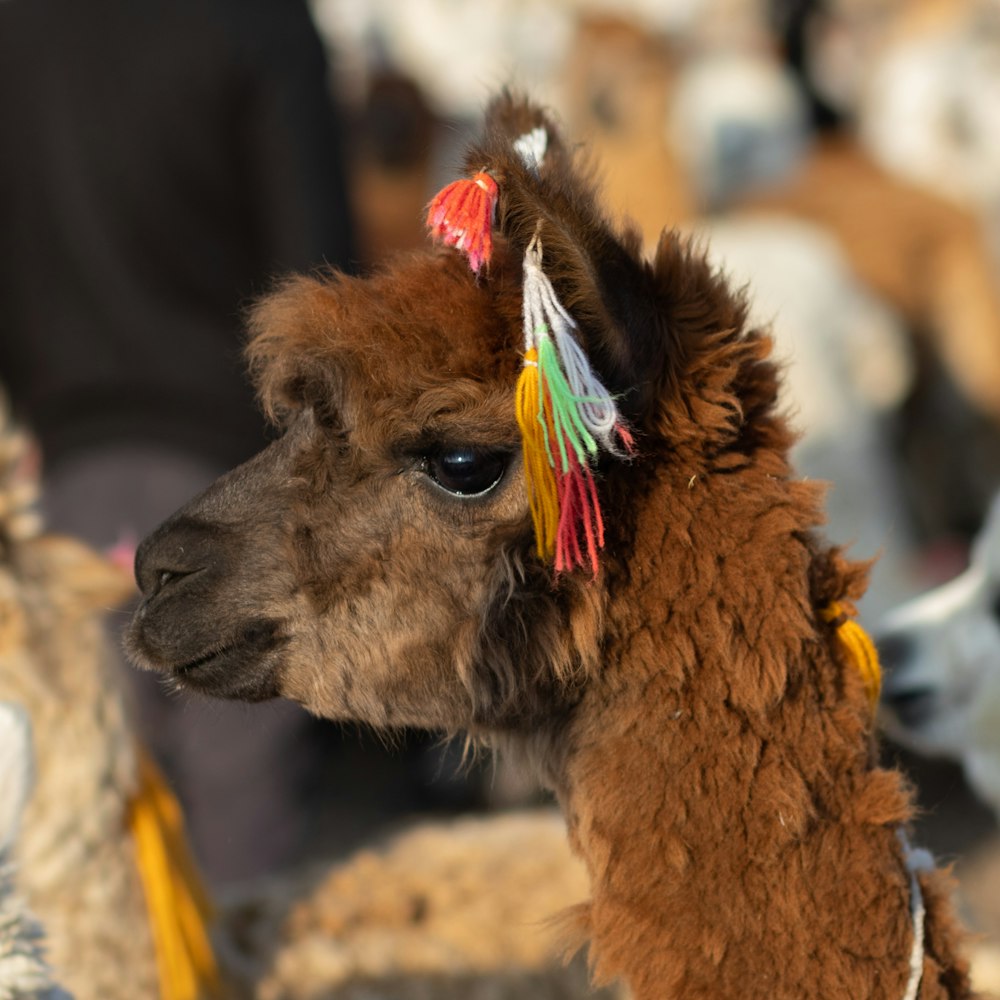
(859, 646)
(538, 473)
(178, 906)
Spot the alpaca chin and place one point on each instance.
(245, 668)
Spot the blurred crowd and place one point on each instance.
(841, 158)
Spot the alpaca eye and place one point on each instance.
(467, 471)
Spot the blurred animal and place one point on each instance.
(921, 81)
(75, 853)
(925, 256)
(444, 911)
(941, 698)
(616, 91)
(390, 165)
(928, 259)
(689, 694)
(942, 656)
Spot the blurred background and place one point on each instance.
(162, 162)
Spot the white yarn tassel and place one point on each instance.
(545, 314)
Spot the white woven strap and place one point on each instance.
(917, 860)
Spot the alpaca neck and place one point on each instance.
(721, 789)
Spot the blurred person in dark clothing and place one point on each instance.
(160, 161)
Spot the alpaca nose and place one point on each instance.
(912, 702)
(912, 706)
(895, 649)
(172, 553)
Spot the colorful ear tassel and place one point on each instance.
(566, 415)
(566, 418)
(461, 216)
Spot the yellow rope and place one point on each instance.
(859, 646)
(543, 497)
(178, 907)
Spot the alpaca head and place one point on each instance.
(378, 561)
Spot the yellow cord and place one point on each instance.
(859, 646)
(543, 495)
(178, 907)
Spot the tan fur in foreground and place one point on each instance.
(456, 911)
(76, 862)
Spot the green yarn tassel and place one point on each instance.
(566, 423)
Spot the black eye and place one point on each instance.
(467, 471)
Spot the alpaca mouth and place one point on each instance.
(243, 667)
(185, 669)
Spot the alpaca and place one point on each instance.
(941, 652)
(942, 656)
(675, 668)
(617, 85)
(74, 852)
(920, 82)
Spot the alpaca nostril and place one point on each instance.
(913, 707)
(169, 577)
(894, 650)
(153, 577)
(178, 549)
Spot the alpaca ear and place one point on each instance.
(598, 273)
(596, 348)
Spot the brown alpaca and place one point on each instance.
(708, 738)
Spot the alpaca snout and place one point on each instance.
(908, 701)
(895, 650)
(189, 571)
(913, 707)
(910, 698)
(175, 552)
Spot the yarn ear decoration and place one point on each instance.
(461, 216)
(567, 418)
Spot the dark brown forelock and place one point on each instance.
(424, 322)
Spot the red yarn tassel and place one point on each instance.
(461, 215)
(579, 515)
(625, 436)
